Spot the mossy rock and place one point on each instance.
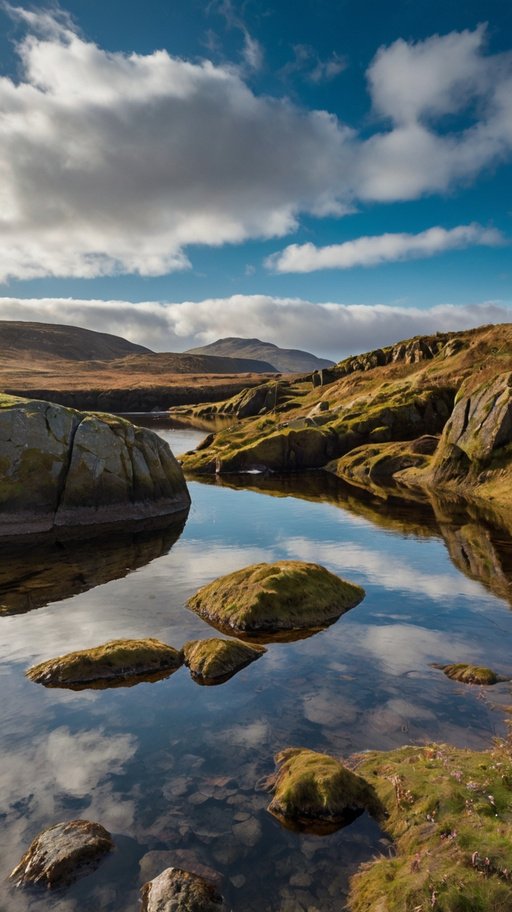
(215, 660)
(469, 674)
(316, 793)
(449, 812)
(62, 853)
(118, 662)
(286, 595)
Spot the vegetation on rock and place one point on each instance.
(317, 793)
(60, 467)
(285, 595)
(450, 814)
(457, 384)
(469, 674)
(214, 660)
(113, 662)
(61, 853)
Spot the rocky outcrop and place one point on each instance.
(412, 351)
(113, 663)
(308, 442)
(287, 595)
(175, 890)
(63, 468)
(62, 853)
(316, 793)
(477, 434)
(375, 465)
(214, 661)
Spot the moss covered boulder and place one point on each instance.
(286, 595)
(114, 663)
(449, 812)
(62, 853)
(214, 661)
(64, 468)
(175, 890)
(470, 674)
(318, 794)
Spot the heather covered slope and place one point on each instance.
(453, 387)
(286, 360)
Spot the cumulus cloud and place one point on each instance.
(329, 329)
(383, 248)
(113, 162)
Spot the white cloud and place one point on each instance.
(383, 248)
(113, 162)
(329, 329)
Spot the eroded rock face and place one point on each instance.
(215, 660)
(60, 467)
(175, 890)
(316, 793)
(114, 662)
(478, 430)
(62, 853)
(286, 595)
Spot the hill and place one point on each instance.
(432, 413)
(52, 340)
(285, 360)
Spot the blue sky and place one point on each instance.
(331, 174)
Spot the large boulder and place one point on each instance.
(112, 663)
(63, 852)
(175, 890)
(287, 595)
(64, 468)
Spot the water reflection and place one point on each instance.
(478, 537)
(33, 575)
(175, 771)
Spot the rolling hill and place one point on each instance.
(285, 360)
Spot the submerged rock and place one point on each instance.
(470, 674)
(316, 793)
(64, 468)
(215, 660)
(62, 853)
(112, 663)
(286, 595)
(175, 890)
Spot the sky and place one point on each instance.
(328, 175)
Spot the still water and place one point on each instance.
(174, 770)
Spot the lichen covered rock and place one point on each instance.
(112, 663)
(175, 890)
(60, 467)
(317, 793)
(62, 853)
(469, 674)
(286, 595)
(215, 660)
